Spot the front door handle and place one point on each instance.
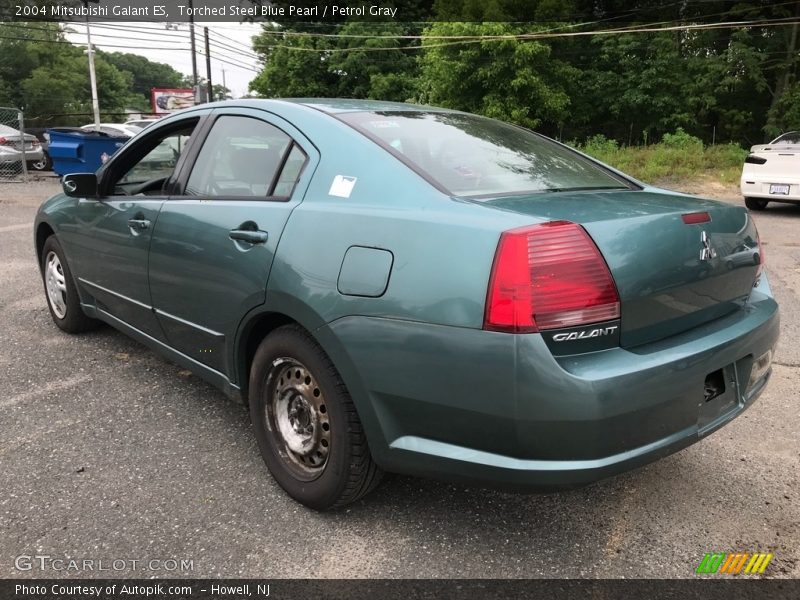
(138, 224)
(246, 235)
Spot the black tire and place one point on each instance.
(756, 203)
(70, 317)
(291, 372)
(46, 164)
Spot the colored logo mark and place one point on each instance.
(734, 563)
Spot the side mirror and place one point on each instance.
(80, 185)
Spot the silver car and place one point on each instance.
(12, 143)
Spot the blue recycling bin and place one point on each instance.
(76, 150)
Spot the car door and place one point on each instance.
(213, 244)
(115, 229)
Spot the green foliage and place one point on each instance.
(785, 113)
(48, 77)
(682, 141)
(678, 156)
(317, 66)
(509, 79)
(145, 73)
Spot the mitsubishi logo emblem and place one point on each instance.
(707, 253)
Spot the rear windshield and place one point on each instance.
(793, 137)
(473, 156)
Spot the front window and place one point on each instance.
(473, 156)
(158, 163)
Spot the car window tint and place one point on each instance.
(290, 173)
(468, 155)
(239, 157)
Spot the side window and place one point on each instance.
(290, 174)
(241, 157)
(151, 172)
(158, 163)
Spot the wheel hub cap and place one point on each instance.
(296, 411)
(56, 285)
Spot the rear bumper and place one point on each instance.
(758, 185)
(499, 409)
(14, 156)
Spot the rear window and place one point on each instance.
(793, 137)
(473, 156)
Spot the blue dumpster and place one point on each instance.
(76, 150)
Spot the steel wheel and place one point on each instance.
(306, 424)
(56, 285)
(297, 416)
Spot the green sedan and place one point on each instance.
(399, 288)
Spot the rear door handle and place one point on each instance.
(139, 224)
(246, 235)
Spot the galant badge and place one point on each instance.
(707, 253)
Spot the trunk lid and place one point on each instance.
(664, 284)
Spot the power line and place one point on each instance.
(536, 36)
(22, 39)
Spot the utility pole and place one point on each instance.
(224, 83)
(194, 48)
(92, 74)
(208, 67)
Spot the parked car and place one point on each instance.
(114, 129)
(142, 123)
(400, 288)
(13, 145)
(46, 163)
(771, 172)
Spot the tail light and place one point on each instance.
(755, 160)
(549, 276)
(35, 143)
(5, 142)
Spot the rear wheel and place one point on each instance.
(755, 203)
(62, 296)
(45, 164)
(305, 422)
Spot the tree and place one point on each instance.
(145, 73)
(510, 79)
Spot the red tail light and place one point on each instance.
(549, 276)
(694, 218)
(4, 142)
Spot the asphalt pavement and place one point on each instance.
(109, 452)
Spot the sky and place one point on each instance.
(231, 48)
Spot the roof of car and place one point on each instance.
(339, 105)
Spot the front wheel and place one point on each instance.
(62, 296)
(755, 203)
(307, 428)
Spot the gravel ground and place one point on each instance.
(109, 452)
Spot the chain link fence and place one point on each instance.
(17, 150)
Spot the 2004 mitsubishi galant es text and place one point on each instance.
(416, 290)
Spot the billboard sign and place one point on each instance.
(168, 100)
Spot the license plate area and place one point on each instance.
(720, 397)
(779, 189)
